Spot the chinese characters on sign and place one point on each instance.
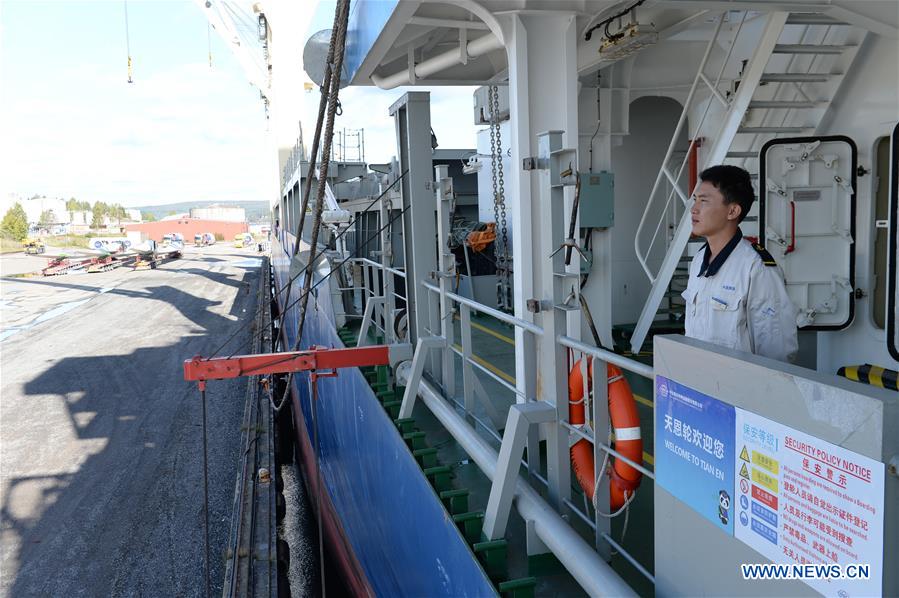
(809, 501)
(695, 436)
(792, 497)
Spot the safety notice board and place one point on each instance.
(805, 500)
(791, 497)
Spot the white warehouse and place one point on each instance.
(220, 212)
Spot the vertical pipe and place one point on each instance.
(447, 270)
(389, 299)
(693, 173)
(600, 430)
(467, 374)
(553, 366)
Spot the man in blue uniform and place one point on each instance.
(735, 296)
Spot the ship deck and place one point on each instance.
(495, 351)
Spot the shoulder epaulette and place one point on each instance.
(763, 253)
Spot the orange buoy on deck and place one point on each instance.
(626, 423)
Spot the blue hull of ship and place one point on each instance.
(389, 523)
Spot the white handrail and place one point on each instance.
(588, 569)
(368, 262)
(722, 141)
(663, 171)
(631, 365)
(480, 307)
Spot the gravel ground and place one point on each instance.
(100, 449)
(298, 529)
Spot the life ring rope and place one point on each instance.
(625, 421)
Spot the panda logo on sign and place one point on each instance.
(723, 506)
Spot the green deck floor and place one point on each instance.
(494, 349)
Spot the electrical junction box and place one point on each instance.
(482, 108)
(596, 206)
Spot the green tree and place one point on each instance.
(73, 205)
(15, 223)
(116, 212)
(47, 218)
(147, 217)
(99, 211)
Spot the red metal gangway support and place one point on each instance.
(323, 362)
(201, 369)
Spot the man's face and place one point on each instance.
(710, 215)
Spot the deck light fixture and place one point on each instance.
(631, 39)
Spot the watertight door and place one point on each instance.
(893, 261)
(807, 222)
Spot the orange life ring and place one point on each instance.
(626, 423)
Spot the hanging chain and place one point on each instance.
(501, 245)
(494, 154)
(507, 254)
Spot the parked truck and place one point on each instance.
(33, 246)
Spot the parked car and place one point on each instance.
(243, 240)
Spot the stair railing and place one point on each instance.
(736, 107)
(664, 172)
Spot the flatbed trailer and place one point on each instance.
(109, 262)
(149, 263)
(64, 265)
(103, 263)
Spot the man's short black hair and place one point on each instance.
(734, 184)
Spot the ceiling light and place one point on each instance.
(630, 40)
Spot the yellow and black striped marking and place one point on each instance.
(767, 258)
(871, 374)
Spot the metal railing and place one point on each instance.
(371, 285)
(595, 354)
(297, 155)
(471, 386)
(374, 264)
(471, 366)
(592, 358)
(603, 356)
(664, 174)
(487, 310)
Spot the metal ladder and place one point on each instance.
(769, 99)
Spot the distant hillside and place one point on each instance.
(256, 210)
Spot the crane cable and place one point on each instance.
(128, 42)
(338, 39)
(325, 107)
(278, 294)
(342, 17)
(209, 42)
(316, 137)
